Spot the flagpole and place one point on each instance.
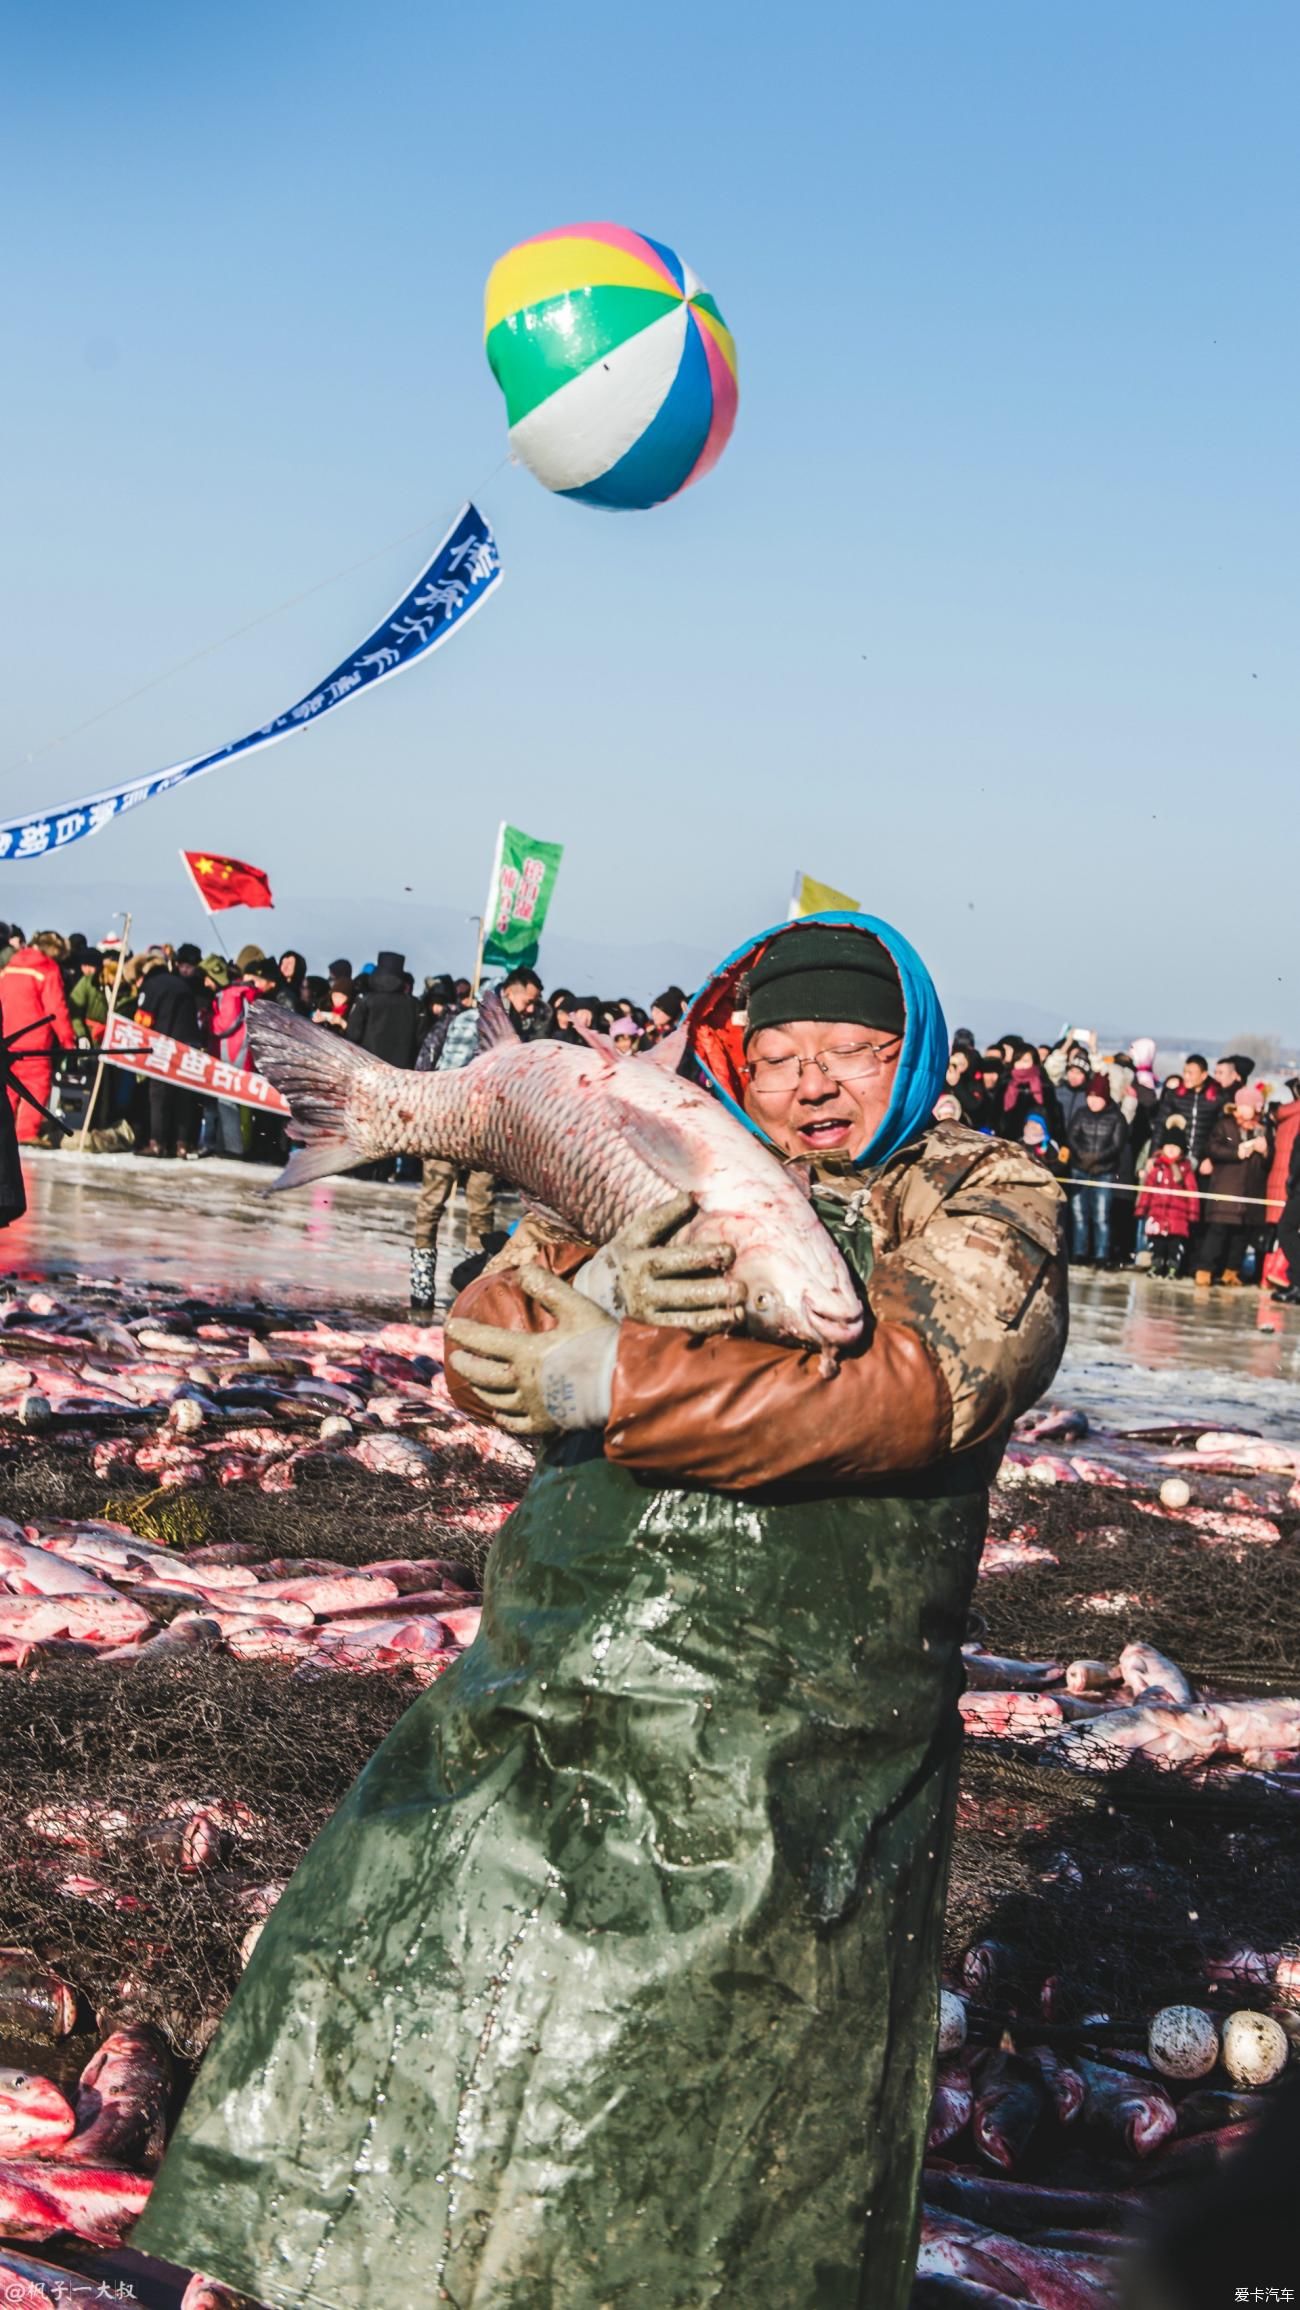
(488, 911)
(198, 892)
(795, 908)
(108, 1029)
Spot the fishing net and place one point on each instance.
(1115, 1892)
(1118, 1889)
(128, 1928)
(1224, 1610)
(1106, 1908)
(134, 1933)
(344, 1513)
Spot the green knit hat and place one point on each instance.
(820, 970)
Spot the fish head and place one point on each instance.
(1150, 2121)
(26, 2092)
(800, 1292)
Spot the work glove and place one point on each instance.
(535, 1383)
(639, 1275)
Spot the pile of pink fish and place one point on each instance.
(1212, 1467)
(79, 2164)
(208, 1400)
(178, 1400)
(97, 1591)
(1099, 1716)
(1137, 1706)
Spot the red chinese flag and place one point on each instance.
(223, 882)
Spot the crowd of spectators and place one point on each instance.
(1195, 1175)
(55, 993)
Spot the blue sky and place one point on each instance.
(988, 612)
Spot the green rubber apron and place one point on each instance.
(612, 1983)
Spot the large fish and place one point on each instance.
(595, 1138)
(1011, 2104)
(950, 2109)
(1136, 2111)
(1018, 2206)
(122, 2101)
(43, 2199)
(953, 2246)
(29, 1571)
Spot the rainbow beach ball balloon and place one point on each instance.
(619, 371)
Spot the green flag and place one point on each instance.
(523, 878)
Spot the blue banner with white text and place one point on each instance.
(450, 587)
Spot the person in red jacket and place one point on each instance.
(1285, 1118)
(1169, 1203)
(32, 996)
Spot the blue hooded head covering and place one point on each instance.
(923, 1060)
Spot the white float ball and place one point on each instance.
(952, 2021)
(1183, 2042)
(1175, 1492)
(1255, 2048)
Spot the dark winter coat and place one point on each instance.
(385, 1019)
(169, 1003)
(13, 1194)
(1234, 1175)
(1143, 1122)
(1198, 1109)
(1070, 1097)
(1098, 1143)
(1021, 1094)
(973, 1099)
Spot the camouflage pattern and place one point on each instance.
(968, 1251)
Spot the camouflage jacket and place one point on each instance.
(969, 1253)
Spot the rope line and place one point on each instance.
(1184, 1194)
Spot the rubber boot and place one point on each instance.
(422, 1271)
(1203, 1275)
(1230, 1275)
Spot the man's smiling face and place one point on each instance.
(802, 1106)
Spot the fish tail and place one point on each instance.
(326, 1081)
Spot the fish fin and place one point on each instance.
(657, 1144)
(799, 1175)
(494, 1023)
(669, 1053)
(319, 1074)
(602, 1043)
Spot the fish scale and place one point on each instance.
(597, 1139)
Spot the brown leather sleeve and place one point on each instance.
(495, 1297)
(742, 1413)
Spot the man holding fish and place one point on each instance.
(614, 1979)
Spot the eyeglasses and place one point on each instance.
(855, 1063)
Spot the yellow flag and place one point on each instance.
(812, 897)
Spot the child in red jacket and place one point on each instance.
(1169, 1203)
